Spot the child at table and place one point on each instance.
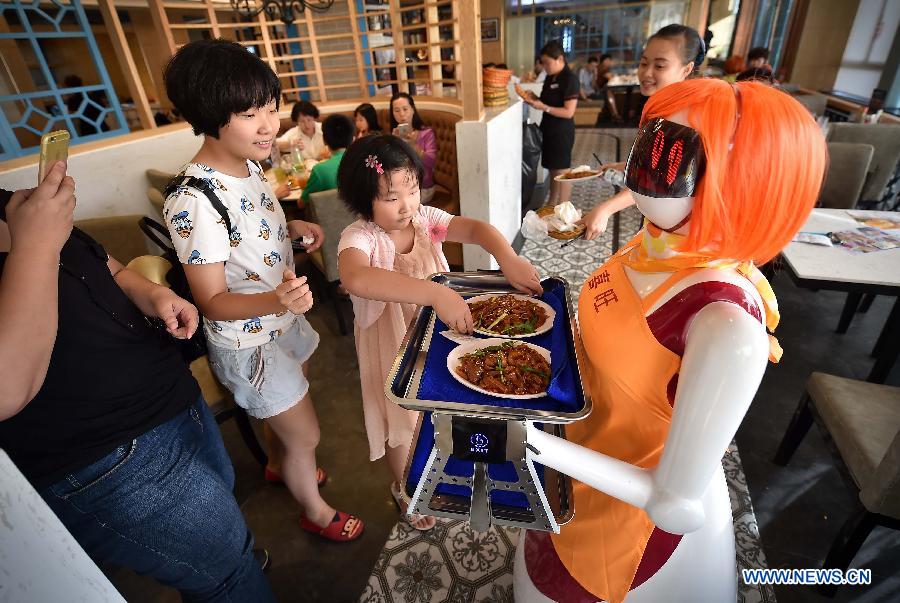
(384, 261)
(241, 274)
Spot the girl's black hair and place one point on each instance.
(693, 49)
(417, 122)
(304, 107)
(370, 115)
(359, 185)
(553, 49)
(208, 81)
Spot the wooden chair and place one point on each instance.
(860, 421)
(848, 168)
(159, 179)
(120, 236)
(219, 400)
(156, 199)
(328, 211)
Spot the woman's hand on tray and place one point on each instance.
(453, 310)
(521, 274)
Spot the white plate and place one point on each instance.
(583, 179)
(466, 348)
(548, 324)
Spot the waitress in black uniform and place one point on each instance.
(558, 100)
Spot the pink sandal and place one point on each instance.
(343, 528)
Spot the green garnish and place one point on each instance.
(528, 369)
(522, 327)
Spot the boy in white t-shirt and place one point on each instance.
(242, 278)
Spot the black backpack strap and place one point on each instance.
(206, 188)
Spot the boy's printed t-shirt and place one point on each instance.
(256, 252)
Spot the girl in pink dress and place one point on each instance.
(385, 259)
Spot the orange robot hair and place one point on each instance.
(762, 178)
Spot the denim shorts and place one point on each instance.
(268, 379)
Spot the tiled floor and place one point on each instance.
(799, 508)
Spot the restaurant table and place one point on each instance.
(837, 269)
(39, 558)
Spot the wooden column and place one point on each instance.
(397, 37)
(314, 50)
(357, 48)
(433, 37)
(698, 13)
(743, 30)
(154, 49)
(132, 78)
(470, 58)
(161, 24)
(213, 20)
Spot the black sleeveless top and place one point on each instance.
(111, 378)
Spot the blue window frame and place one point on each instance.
(35, 109)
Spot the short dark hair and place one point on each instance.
(368, 113)
(758, 74)
(417, 122)
(553, 49)
(605, 56)
(760, 52)
(304, 108)
(593, 60)
(338, 131)
(360, 185)
(208, 81)
(693, 48)
(501, 66)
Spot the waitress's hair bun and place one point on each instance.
(693, 49)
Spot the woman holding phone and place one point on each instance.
(670, 56)
(406, 123)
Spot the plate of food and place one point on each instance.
(580, 173)
(562, 221)
(511, 316)
(516, 370)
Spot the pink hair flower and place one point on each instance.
(437, 233)
(373, 163)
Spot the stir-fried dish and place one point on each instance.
(508, 315)
(575, 175)
(510, 368)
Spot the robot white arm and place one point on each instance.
(724, 360)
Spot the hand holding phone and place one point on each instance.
(40, 219)
(403, 130)
(54, 147)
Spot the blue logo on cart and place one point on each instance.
(479, 443)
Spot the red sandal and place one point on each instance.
(343, 528)
(274, 478)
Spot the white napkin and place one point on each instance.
(564, 217)
(458, 337)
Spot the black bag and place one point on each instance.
(195, 347)
(532, 140)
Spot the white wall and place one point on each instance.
(874, 28)
(489, 157)
(110, 181)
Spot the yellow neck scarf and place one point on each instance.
(655, 250)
